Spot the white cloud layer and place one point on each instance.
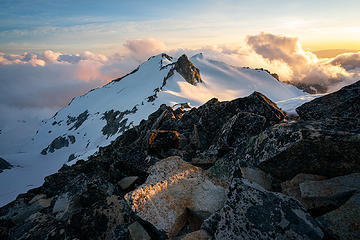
(34, 82)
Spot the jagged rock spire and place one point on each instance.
(188, 70)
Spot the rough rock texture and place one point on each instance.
(115, 121)
(137, 232)
(172, 186)
(247, 142)
(82, 201)
(188, 70)
(199, 131)
(329, 148)
(331, 188)
(343, 223)
(343, 103)
(292, 189)
(4, 164)
(78, 121)
(254, 213)
(58, 143)
(161, 141)
(197, 235)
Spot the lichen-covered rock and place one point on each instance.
(251, 212)
(329, 148)
(343, 103)
(343, 223)
(173, 186)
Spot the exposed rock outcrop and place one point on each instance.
(4, 164)
(173, 186)
(145, 185)
(58, 143)
(343, 223)
(188, 70)
(330, 148)
(344, 103)
(251, 212)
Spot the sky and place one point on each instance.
(52, 51)
(103, 26)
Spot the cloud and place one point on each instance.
(141, 49)
(303, 67)
(349, 61)
(49, 80)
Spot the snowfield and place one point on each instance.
(101, 115)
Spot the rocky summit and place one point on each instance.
(226, 170)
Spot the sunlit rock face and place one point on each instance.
(172, 186)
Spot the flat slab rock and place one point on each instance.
(250, 212)
(343, 223)
(331, 188)
(172, 186)
(292, 189)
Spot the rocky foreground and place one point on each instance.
(225, 170)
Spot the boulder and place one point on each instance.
(137, 232)
(343, 223)
(251, 212)
(331, 188)
(328, 148)
(292, 189)
(173, 186)
(127, 182)
(197, 235)
(196, 218)
(344, 103)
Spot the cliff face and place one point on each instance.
(188, 70)
(234, 169)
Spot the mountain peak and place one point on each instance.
(188, 70)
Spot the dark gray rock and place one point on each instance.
(127, 182)
(329, 148)
(116, 121)
(79, 120)
(343, 103)
(161, 141)
(4, 164)
(137, 232)
(251, 212)
(343, 223)
(331, 188)
(58, 143)
(292, 189)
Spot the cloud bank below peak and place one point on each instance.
(51, 79)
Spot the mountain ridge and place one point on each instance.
(97, 118)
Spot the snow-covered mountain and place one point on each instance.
(101, 115)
